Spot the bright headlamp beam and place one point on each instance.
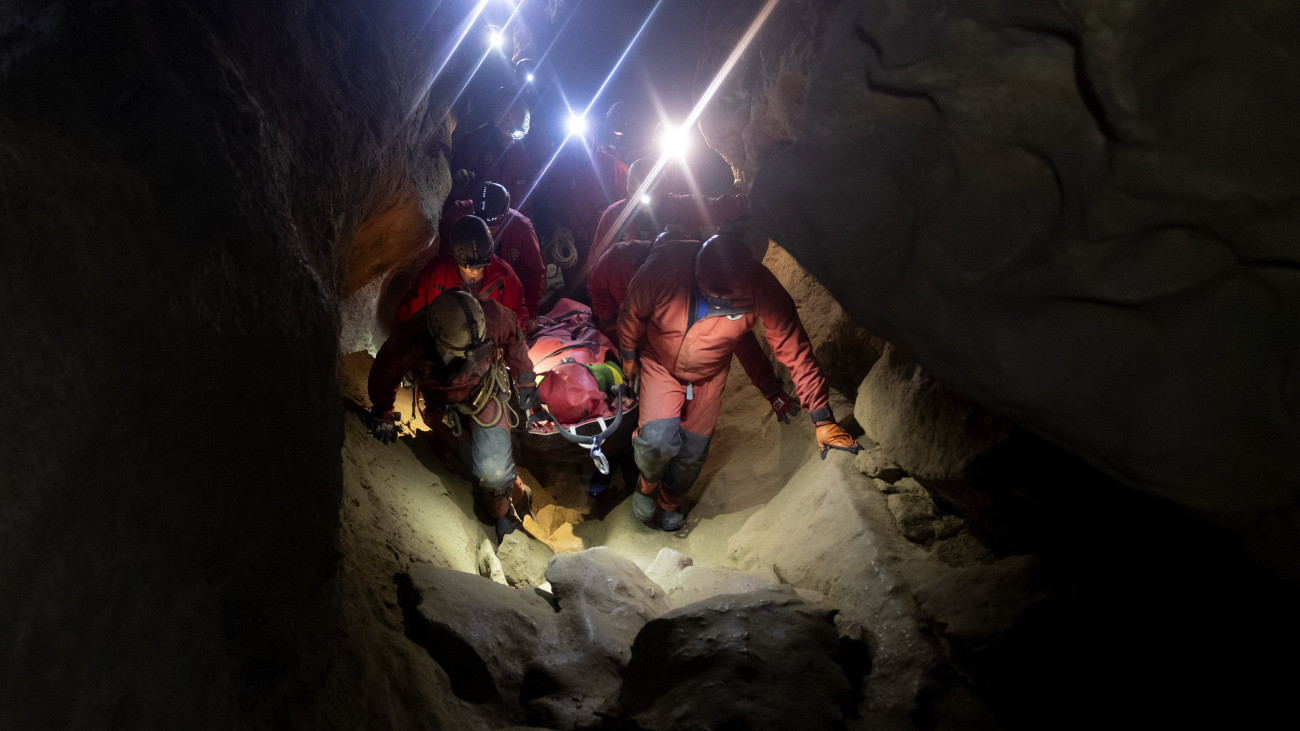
(705, 98)
(450, 51)
(674, 143)
(630, 44)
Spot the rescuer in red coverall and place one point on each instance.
(686, 309)
(471, 266)
(658, 209)
(495, 151)
(457, 350)
(608, 285)
(514, 238)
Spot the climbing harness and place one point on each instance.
(494, 387)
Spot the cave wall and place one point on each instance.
(1080, 214)
(179, 182)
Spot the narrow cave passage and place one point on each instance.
(1044, 251)
(957, 589)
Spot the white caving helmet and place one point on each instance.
(456, 323)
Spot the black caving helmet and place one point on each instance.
(492, 202)
(619, 128)
(723, 269)
(671, 232)
(526, 72)
(471, 242)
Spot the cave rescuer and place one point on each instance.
(495, 150)
(513, 238)
(608, 285)
(658, 208)
(470, 265)
(572, 194)
(686, 310)
(460, 351)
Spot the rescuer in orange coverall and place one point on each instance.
(608, 285)
(659, 209)
(686, 309)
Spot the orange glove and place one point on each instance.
(831, 436)
(631, 373)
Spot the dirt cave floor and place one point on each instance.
(766, 511)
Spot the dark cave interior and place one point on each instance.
(1073, 224)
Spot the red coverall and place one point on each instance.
(492, 157)
(409, 349)
(608, 288)
(516, 243)
(499, 283)
(685, 360)
(694, 213)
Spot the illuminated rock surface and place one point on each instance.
(1080, 215)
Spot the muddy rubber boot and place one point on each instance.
(521, 498)
(668, 520)
(507, 524)
(643, 501)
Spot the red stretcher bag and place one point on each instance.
(580, 382)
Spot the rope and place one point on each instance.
(495, 383)
(564, 249)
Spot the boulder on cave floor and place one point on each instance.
(603, 601)
(920, 426)
(762, 660)
(686, 583)
(482, 633)
(524, 559)
(550, 662)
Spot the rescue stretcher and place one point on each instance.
(580, 384)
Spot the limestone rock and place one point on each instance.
(480, 632)
(524, 559)
(762, 660)
(685, 583)
(1053, 213)
(875, 462)
(489, 565)
(909, 486)
(605, 595)
(915, 515)
(925, 427)
(604, 600)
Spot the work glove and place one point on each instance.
(462, 176)
(784, 406)
(831, 436)
(632, 374)
(527, 396)
(383, 426)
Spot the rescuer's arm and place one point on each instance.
(391, 365)
(632, 319)
(763, 376)
(792, 347)
(604, 306)
(503, 328)
(513, 297)
(419, 295)
(531, 270)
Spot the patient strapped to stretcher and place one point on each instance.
(580, 379)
